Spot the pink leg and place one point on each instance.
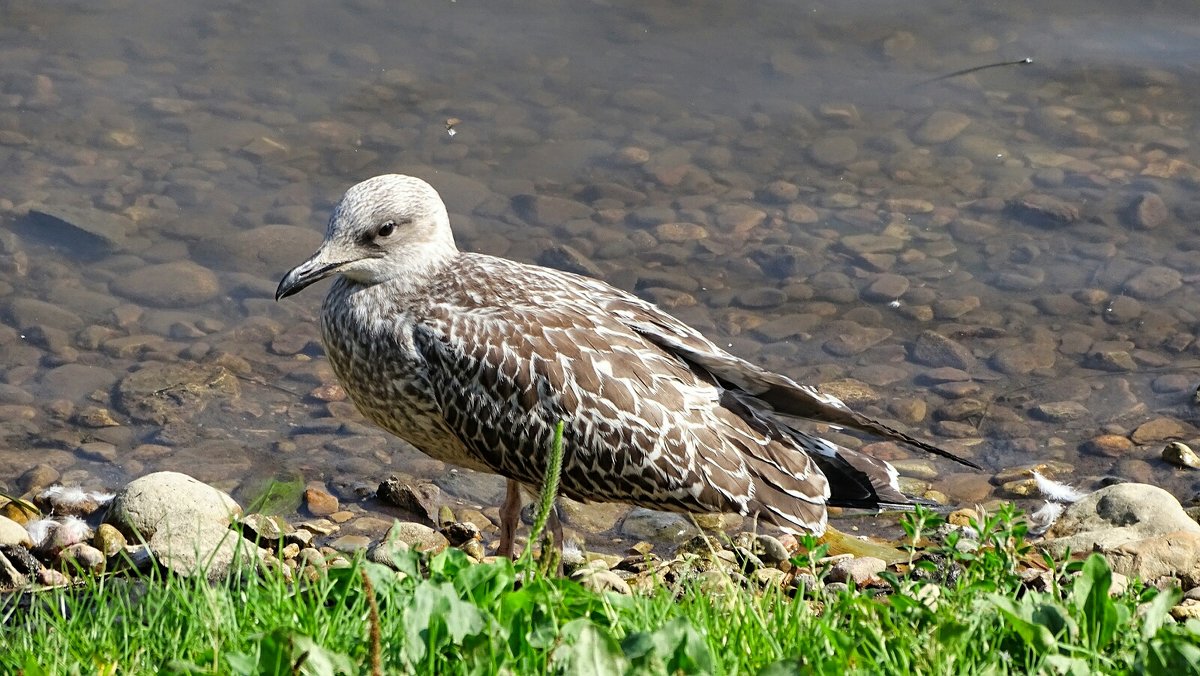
(510, 516)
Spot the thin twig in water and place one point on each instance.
(967, 71)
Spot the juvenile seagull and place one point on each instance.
(474, 359)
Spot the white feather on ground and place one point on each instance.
(1058, 495)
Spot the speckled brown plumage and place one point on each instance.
(473, 359)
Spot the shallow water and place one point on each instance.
(837, 203)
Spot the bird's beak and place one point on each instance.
(309, 272)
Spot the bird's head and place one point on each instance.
(383, 229)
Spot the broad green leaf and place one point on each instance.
(1091, 599)
(1068, 666)
(462, 619)
(417, 618)
(316, 660)
(283, 651)
(588, 650)
(1037, 637)
(1055, 618)
(484, 584)
(676, 647)
(788, 667)
(1158, 610)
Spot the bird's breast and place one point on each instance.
(373, 355)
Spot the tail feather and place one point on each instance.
(788, 398)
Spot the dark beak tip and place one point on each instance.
(290, 285)
(282, 291)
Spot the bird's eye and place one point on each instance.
(387, 229)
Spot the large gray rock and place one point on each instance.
(207, 548)
(165, 500)
(1118, 514)
(1160, 558)
(1141, 530)
(185, 523)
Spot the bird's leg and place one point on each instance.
(510, 516)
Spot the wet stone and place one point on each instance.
(855, 340)
(1159, 429)
(966, 487)
(833, 151)
(961, 409)
(867, 244)
(1058, 305)
(76, 381)
(418, 536)
(646, 524)
(1122, 309)
(269, 247)
(779, 192)
(592, 517)
(99, 451)
(1110, 360)
(956, 429)
(941, 126)
(945, 374)
(487, 489)
(1181, 455)
(163, 393)
(108, 539)
(1153, 282)
(1148, 211)
(1061, 411)
(26, 312)
(1173, 382)
(762, 297)
(679, 232)
(886, 288)
(320, 502)
(37, 477)
(546, 210)
(916, 468)
(910, 410)
(1051, 468)
(1020, 488)
(850, 391)
(349, 544)
(860, 571)
(176, 284)
(81, 557)
(934, 349)
(1022, 359)
(980, 149)
(460, 532)
(739, 218)
(82, 229)
(1044, 210)
(953, 308)
(265, 527)
(1111, 445)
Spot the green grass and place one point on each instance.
(448, 615)
(961, 608)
